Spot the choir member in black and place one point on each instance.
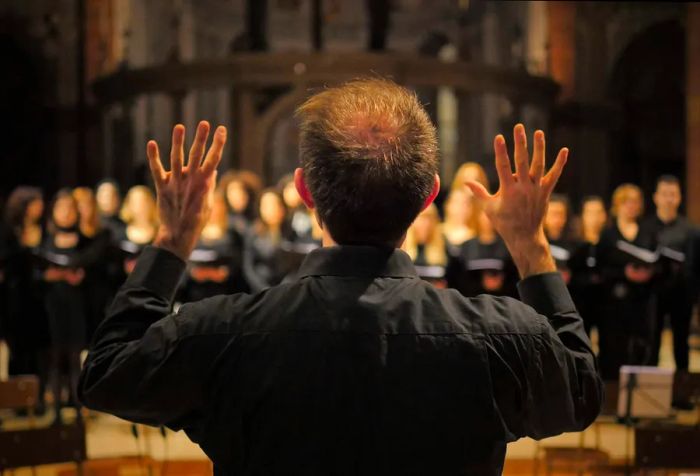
(26, 326)
(262, 263)
(556, 227)
(302, 234)
(299, 219)
(483, 265)
(216, 263)
(98, 259)
(426, 246)
(628, 256)
(108, 203)
(240, 195)
(64, 297)
(460, 222)
(140, 215)
(587, 288)
(674, 290)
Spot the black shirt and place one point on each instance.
(614, 259)
(358, 367)
(435, 273)
(482, 268)
(562, 251)
(673, 234)
(65, 303)
(585, 265)
(262, 260)
(224, 252)
(674, 240)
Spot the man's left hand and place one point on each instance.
(185, 193)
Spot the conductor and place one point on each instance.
(358, 367)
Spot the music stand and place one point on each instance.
(644, 393)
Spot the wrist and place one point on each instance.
(167, 241)
(532, 255)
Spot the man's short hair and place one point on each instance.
(668, 179)
(369, 155)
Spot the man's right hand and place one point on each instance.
(517, 210)
(186, 192)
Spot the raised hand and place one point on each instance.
(518, 208)
(185, 193)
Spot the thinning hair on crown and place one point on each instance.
(369, 154)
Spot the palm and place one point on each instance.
(185, 192)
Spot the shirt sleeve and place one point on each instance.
(546, 380)
(140, 367)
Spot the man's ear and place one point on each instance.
(433, 193)
(302, 189)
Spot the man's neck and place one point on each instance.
(666, 216)
(328, 241)
(591, 235)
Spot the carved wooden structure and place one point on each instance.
(268, 86)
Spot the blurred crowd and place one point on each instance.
(63, 259)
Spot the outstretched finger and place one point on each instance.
(522, 161)
(211, 162)
(505, 173)
(176, 150)
(538, 158)
(154, 163)
(198, 145)
(550, 180)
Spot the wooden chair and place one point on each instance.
(4, 361)
(577, 460)
(19, 393)
(36, 446)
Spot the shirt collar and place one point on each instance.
(361, 261)
(666, 223)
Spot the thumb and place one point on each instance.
(478, 190)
